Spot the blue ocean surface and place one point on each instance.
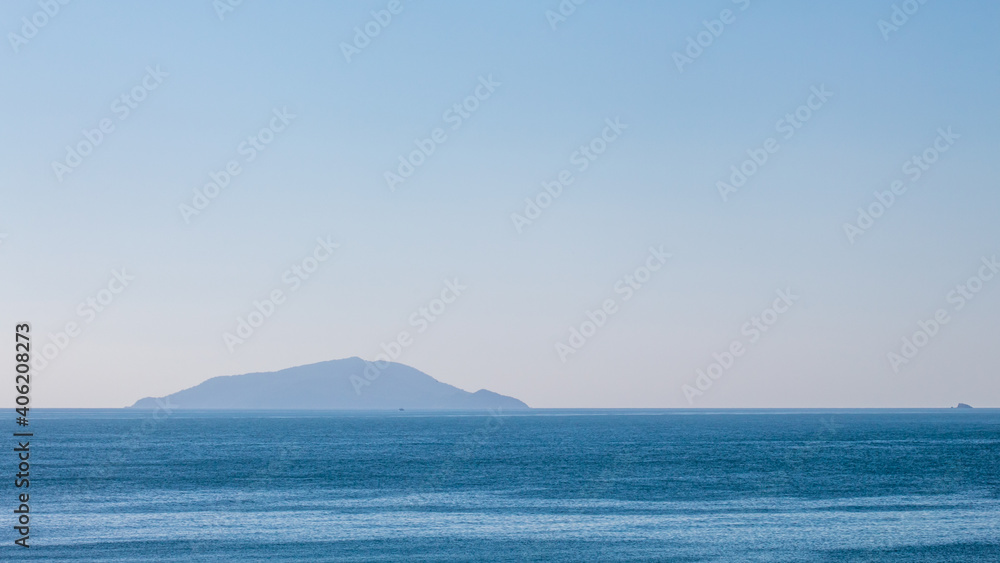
(544, 485)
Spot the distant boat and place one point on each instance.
(401, 409)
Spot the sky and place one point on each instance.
(542, 199)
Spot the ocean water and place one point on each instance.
(542, 486)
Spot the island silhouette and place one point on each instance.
(346, 384)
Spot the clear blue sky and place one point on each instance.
(323, 175)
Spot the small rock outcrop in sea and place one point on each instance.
(963, 406)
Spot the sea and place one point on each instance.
(539, 485)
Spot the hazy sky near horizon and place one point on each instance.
(337, 124)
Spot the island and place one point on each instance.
(346, 384)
